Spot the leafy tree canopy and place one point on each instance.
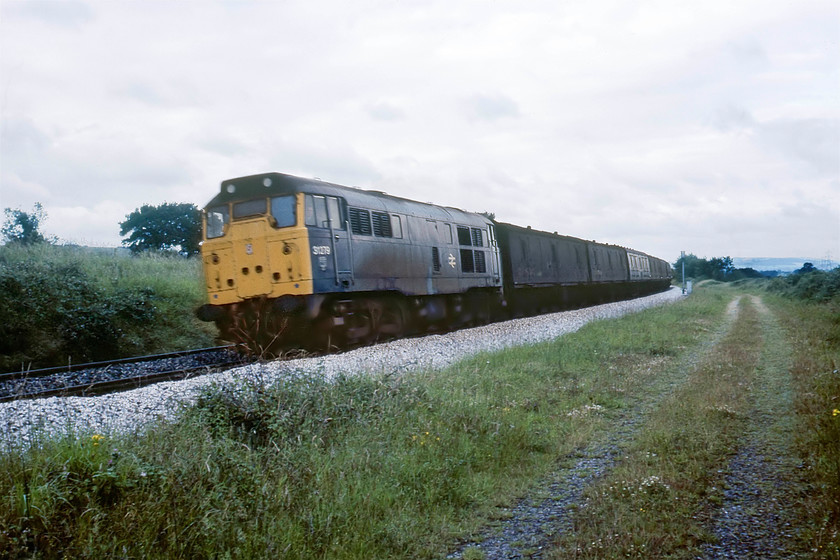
(806, 268)
(718, 268)
(166, 227)
(721, 267)
(695, 267)
(23, 228)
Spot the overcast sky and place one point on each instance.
(710, 127)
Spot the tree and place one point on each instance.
(806, 268)
(695, 267)
(23, 228)
(721, 267)
(163, 228)
(740, 273)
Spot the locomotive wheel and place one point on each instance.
(372, 319)
(324, 337)
(392, 318)
(479, 308)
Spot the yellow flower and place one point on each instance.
(835, 412)
(96, 438)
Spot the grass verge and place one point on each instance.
(814, 332)
(358, 467)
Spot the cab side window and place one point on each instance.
(215, 221)
(323, 211)
(283, 210)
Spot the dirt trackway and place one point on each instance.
(754, 520)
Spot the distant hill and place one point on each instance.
(788, 264)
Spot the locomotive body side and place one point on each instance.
(297, 262)
(355, 264)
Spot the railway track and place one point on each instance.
(112, 376)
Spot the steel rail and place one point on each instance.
(115, 385)
(43, 372)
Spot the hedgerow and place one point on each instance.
(816, 286)
(63, 304)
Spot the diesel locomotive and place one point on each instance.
(292, 262)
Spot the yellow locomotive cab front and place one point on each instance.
(256, 248)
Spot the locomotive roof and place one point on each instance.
(274, 184)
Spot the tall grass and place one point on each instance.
(71, 304)
(406, 466)
(814, 331)
(357, 467)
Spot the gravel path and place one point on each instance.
(532, 524)
(21, 421)
(755, 520)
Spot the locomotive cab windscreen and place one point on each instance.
(281, 211)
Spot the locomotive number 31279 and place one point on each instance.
(320, 249)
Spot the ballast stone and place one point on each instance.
(131, 411)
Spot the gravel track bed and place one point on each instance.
(133, 410)
(113, 372)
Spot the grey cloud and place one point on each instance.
(333, 163)
(21, 136)
(222, 145)
(81, 179)
(383, 111)
(66, 13)
(491, 107)
(155, 96)
(749, 52)
(732, 117)
(815, 141)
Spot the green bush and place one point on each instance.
(63, 304)
(817, 286)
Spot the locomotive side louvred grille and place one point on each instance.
(381, 224)
(436, 259)
(359, 221)
(480, 262)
